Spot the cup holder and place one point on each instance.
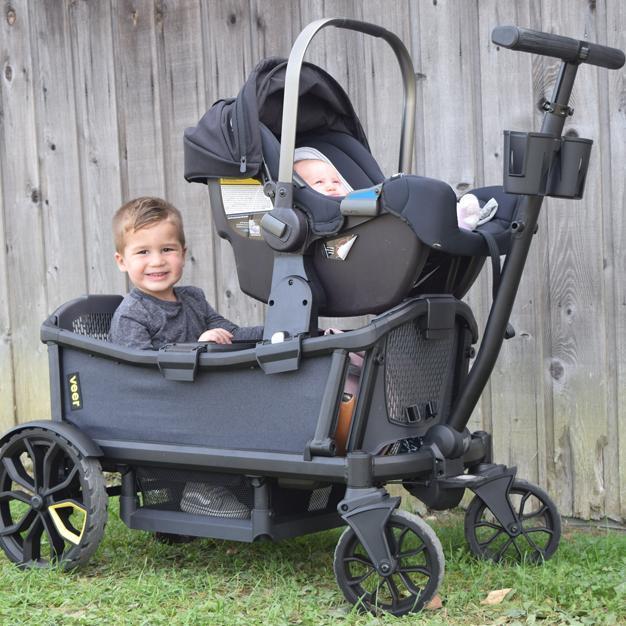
(542, 164)
(569, 170)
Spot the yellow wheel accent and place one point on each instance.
(70, 519)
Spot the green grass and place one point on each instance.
(133, 579)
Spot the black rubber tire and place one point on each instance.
(39, 469)
(540, 528)
(400, 593)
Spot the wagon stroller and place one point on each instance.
(260, 422)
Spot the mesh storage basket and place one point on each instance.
(418, 374)
(200, 493)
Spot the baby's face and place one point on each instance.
(321, 176)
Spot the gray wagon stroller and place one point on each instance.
(255, 441)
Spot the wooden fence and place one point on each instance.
(94, 97)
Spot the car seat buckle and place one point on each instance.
(362, 202)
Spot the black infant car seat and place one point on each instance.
(401, 236)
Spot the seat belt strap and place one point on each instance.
(494, 253)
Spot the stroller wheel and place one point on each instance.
(538, 536)
(52, 501)
(416, 578)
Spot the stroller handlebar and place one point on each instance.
(565, 48)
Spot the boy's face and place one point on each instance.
(154, 259)
(321, 176)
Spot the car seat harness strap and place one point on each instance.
(494, 253)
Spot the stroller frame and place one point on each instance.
(94, 426)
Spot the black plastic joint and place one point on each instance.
(180, 361)
(325, 447)
(360, 470)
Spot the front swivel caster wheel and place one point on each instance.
(53, 501)
(537, 537)
(413, 583)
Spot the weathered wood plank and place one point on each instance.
(448, 35)
(380, 72)
(23, 231)
(61, 203)
(137, 88)
(614, 217)
(274, 28)
(338, 51)
(7, 397)
(97, 130)
(577, 314)
(182, 96)
(227, 63)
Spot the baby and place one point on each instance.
(321, 176)
(319, 173)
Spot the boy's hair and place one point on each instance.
(142, 212)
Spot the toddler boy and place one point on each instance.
(150, 247)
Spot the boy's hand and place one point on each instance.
(218, 335)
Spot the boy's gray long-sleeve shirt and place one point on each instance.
(147, 323)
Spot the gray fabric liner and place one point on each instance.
(242, 408)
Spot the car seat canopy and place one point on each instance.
(226, 142)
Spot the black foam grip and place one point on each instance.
(565, 48)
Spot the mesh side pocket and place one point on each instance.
(158, 493)
(319, 498)
(417, 374)
(95, 325)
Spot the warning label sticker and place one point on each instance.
(338, 249)
(244, 196)
(247, 225)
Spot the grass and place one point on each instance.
(132, 579)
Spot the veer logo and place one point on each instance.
(73, 383)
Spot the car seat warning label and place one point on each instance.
(245, 204)
(76, 397)
(244, 196)
(338, 249)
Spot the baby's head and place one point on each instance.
(142, 213)
(321, 176)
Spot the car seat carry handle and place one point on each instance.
(292, 82)
(565, 48)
